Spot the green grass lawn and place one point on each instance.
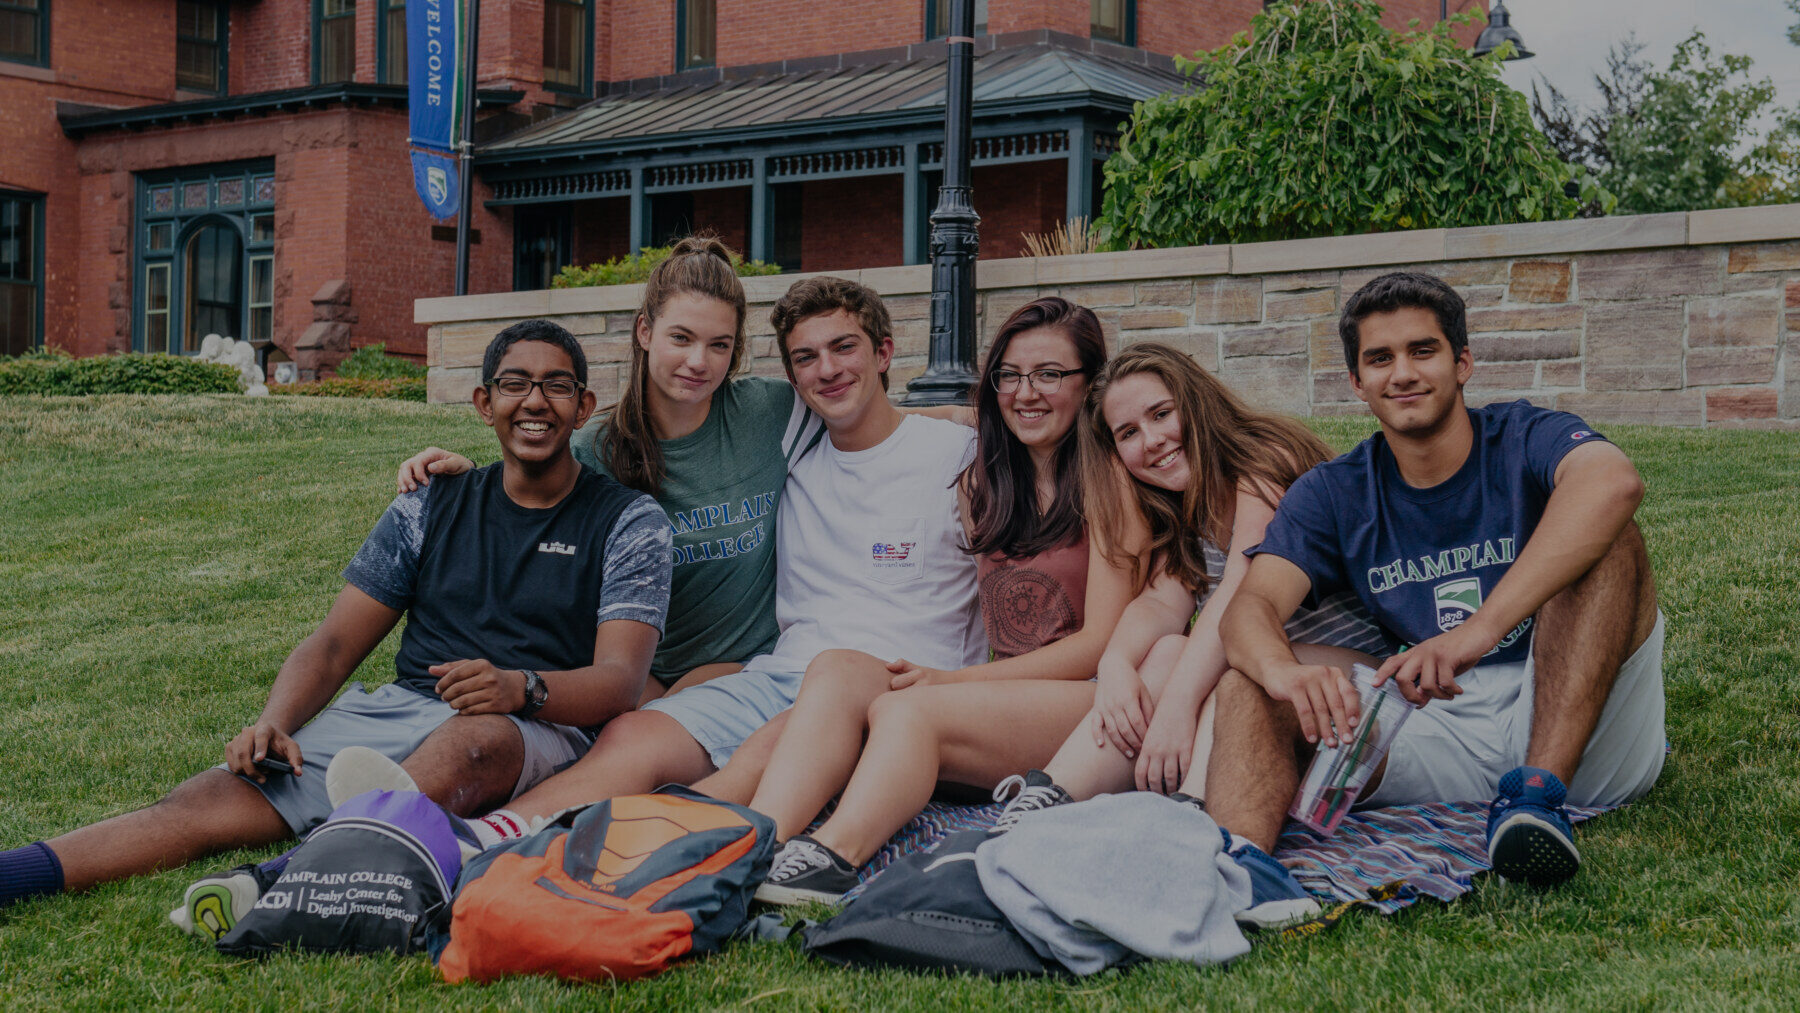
(161, 555)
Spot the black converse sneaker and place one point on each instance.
(805, 870)
(1023, 795)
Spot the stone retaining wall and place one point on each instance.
(1686, 319)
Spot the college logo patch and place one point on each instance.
(1456, 601)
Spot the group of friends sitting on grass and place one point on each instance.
(1110, 574)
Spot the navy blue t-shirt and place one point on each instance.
(1423, 560)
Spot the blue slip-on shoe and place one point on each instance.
(1276, 898)
(1530, 839)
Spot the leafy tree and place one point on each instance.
(1794, 29)
(1692, 141)
(1579, 135)
(1681, 139)
(1322, 122)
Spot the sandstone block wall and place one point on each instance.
(1684, 319)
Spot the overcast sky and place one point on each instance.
(1571, 37)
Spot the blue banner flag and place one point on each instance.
(436, 34)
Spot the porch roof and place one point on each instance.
(1027, 74)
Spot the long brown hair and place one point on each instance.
(1227, 444)
(1001, 481)
(698, 265)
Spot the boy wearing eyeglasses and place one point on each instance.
(534, 591)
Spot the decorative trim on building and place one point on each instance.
(545, 188)
(1031, 147)
(838, 164)
(699, 175)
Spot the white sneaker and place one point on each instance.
(357, 769)
(213, 904)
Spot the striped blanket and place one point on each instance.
(1435, 849)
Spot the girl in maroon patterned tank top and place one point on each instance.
(1208, 474)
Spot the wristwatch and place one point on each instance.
(536, 694)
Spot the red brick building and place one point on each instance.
(171, 168)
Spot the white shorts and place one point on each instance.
(394, 720)
(1457, 750)
(721, 713)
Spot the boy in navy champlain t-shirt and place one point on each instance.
(1497, 546)
(1423, 560)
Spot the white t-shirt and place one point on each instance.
(869, 545)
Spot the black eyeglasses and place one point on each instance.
(1044, 381)
(558, 387)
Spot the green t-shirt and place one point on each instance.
(723, 482)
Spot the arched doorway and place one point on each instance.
(206, 256)
(212, 284)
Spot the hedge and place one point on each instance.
(405, 388)
(371, 362)
(131, 373)
(632, 269)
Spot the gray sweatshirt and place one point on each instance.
(1093, 883)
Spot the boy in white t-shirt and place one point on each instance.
(870, 564)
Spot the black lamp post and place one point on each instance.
(1499, 29)
(950, 372)
(466, 157)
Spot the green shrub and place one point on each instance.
(1322, 122)
(400, 388)
(371, 362)
(58, 372)
(636, 267)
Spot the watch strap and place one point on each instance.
(536, 694)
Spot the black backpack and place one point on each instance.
(371, 879)
(927, 912)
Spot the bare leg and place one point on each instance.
(469, 765)
(824, 736)
(654, 690)
(1584, 635)
(737, 780)
(210, 812)
(1258, 752)
(919, 736)
(635, 753)
(1083, 769)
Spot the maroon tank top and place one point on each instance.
(1030, 601)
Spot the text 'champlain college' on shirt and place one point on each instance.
(745, 523)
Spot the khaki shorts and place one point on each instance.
(721, 713)
(1457, 750)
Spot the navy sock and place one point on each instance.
(30, 871)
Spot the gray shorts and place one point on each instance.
(1457, 750)
(394, 720)
(721, 713)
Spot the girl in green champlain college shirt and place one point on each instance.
(711, 446)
